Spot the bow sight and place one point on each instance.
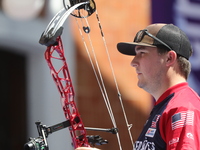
(40, 143)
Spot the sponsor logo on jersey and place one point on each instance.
(174, 140)
(182, 119)
(150, 132)
(190, 136)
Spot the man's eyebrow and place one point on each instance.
(139, 48)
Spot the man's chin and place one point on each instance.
(140, 85)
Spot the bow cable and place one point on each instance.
(129, 126)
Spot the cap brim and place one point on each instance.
(128, 48)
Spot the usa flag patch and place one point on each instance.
(154, 121)
(182, 119)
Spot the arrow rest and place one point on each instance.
(96, 139)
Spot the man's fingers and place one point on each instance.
(87, 148)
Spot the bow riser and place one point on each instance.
(63, 82)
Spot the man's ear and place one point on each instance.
(171, 58)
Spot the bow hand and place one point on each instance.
(87, 148)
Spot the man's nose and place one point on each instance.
(134, 62)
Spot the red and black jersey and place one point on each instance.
(174, 122)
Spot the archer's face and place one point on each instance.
(149, 67)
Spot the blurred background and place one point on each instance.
(28, 93)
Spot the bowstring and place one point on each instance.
(99, 78)
(129, 126)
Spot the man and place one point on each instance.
(161, 61)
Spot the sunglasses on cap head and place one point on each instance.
(140, 35)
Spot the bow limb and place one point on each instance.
(54, 28)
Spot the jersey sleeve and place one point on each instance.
(178, 128)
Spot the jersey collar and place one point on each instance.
(171, 90)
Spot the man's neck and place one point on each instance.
(166, 86)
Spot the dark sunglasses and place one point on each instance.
(140, 35)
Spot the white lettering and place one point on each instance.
(145, 145)
(174, 140)
(190, 135)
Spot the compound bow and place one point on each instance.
(51, 38)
